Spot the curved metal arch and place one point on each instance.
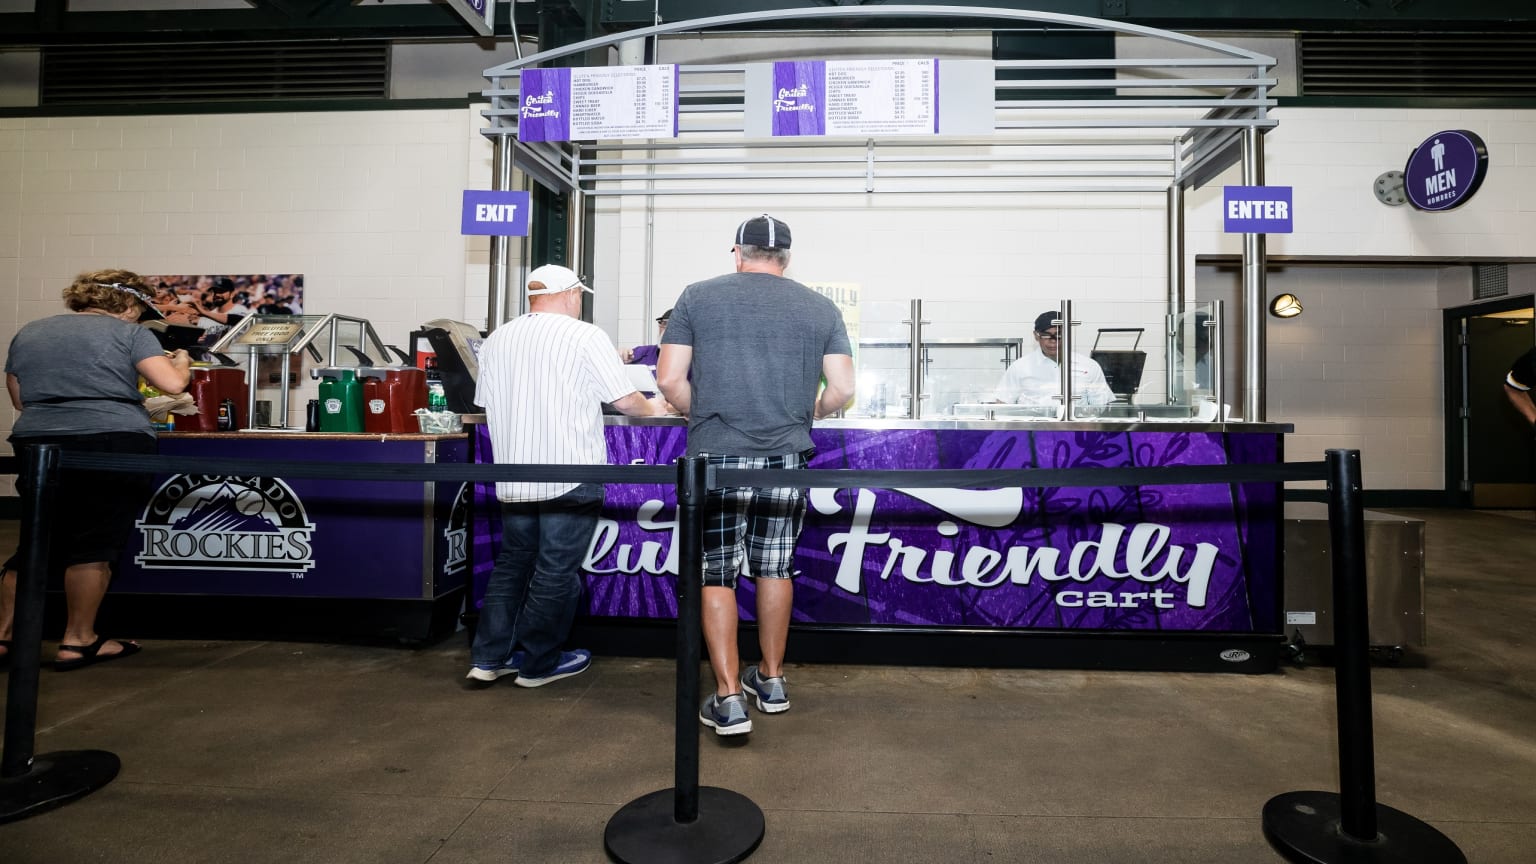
(844, 12)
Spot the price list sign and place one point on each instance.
(856, 97)
(597, 103)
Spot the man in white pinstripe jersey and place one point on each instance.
(544, 377)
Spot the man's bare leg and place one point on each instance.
(775, 601)
(720, 637)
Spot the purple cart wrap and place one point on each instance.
(1200, 558)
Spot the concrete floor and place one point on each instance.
(291, 753)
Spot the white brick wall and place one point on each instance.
(366, 205)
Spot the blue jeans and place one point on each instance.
(533, 591)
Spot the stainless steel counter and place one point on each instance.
(1017, 425)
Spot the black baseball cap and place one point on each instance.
(764, 232)
(1046, 320)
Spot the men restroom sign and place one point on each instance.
(1443, 172)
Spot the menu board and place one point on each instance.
(597, 103)
(856, 97)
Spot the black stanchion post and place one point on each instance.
(31, 785)
(1351, 640)
(1350, 826)
(687, 824)
(692, 486)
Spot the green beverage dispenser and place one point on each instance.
(341, 401)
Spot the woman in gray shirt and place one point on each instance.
(74, 380)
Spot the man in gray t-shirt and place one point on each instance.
(743, 356)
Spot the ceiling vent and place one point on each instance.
(213, 72)
(1419, 65)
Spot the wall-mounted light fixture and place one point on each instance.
(1285, 306)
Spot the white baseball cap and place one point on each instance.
(555, 279)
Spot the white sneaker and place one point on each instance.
(488, 674)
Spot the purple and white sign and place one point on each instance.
(856, 97)
(597, 103)
(1188, 558)
(1257, 210)
(544, 100)
(499, 214)
(1446, 170)
(799, 97)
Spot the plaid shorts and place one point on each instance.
(758, 526)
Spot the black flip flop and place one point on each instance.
(91, 654)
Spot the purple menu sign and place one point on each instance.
(1446, 170)
(1189, 558)
(799, 97)
(544, 96)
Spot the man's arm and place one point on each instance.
(13, 387)
(672, 376)
(635, 405)
(838, 370)
(1517, 386)
(1521, 399)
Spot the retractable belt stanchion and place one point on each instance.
(28, 785)
(1350, 826)
(687, 824)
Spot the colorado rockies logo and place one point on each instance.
(456, 535)
(201, 522)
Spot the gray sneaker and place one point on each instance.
(726, 715)
(771, 696)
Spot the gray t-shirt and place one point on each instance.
(758, 341)
(77, 375)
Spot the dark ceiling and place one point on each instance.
(563, 21)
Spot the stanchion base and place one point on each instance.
(54, 780)
(1304, 827)
(644, 831)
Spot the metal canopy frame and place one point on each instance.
(1155, 125)
(1160, 138)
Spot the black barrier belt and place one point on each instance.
(967, 478)
(660, 475)
(1180, 475)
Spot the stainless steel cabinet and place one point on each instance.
(1394, 577)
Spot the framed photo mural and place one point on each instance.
(200, 309)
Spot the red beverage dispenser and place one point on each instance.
(210, 387)
(391, 395)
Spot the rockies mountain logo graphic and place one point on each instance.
(204, 522)
(456, 535)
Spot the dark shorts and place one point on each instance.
(94, 511)
(757, 526)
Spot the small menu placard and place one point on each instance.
(263, 333)
(856, 97)
(597, 103)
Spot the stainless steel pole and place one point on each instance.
(1218, 351)
(915, 361)
(1254, 377)
(1064, 359)
(501, 247)
(1175, 224)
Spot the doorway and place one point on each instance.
(1491, 457)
